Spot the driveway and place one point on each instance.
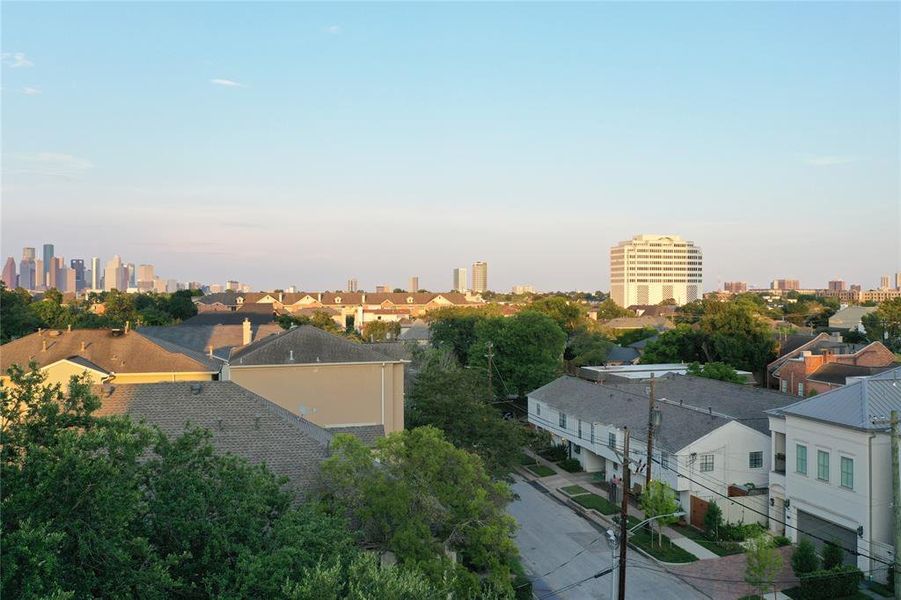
(560, 549)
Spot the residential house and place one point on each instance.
(241, 423)
(217, 338)
(643, 322)
(850, 318)
(327, 379)
(107, 355)
(832, 477)
(712, 440)
(620, 355)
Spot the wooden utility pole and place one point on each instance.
(490, 356)
(624, 518)
(896, 497)
(652, 405)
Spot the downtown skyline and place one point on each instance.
(533, 137)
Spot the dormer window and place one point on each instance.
(337, 299)
(410, 300)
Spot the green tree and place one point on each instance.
(587, 348)
(455, 328)
(833, 555)
(659, 500)
(16, 318)
(319, 319)
(608, 309)
(631, 336)
(457, 401)
(682, 344)
(527, 351)
(884, 324)
(181, 306)
(569, 315)
(734, 333)
(713, 520)
(804, 558)
(120, 309)
(764, 562)
(50, 314)
(422, 497)
(379, 331)
(54, 295)
(715, 370)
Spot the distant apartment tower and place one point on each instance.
(56, 277)
(884, 282)
(352, 285)
(26, 269)
(414, 285)
(735, 287)
(9, 273)
(460, 279)
(115, 276)
(523, 289)
(382, 289)
(836, 285)
(785, 284)
(232, 285)
(96, 274)
(649, 269)
(77, 265)
(898, 281)
(48, 264)
(144, 278)
(479, 277)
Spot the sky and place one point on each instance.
(304, 143)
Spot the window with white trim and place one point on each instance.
(538, 408)
(562, 420)
(822, 465)
(611, 440)
(801, 459)
(580, 429)
(755, 460)
(706, 463)
(847, 472)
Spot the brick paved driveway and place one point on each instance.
(731, 568)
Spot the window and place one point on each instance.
(580, 429)
(664, 460)
(592, 433)
(706, 463)
(755, 460)
(577, 449)
(822, 465)
(847, 472)
(538, 408)
(562, 420)
(801, 459)
(611, 440)
(800, 389)
(783, 386)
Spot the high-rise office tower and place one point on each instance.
(649, 269)
(883, 282)
(96, 274)
(48, 263)
(26, 269)
(145, 277)
(9, 273)
(57, 264)
(39, 282)
(28, 253)
(352, 284)
(68, 279)
(414, 284)
(114, 277)
(735, 287)
(836, 285)
(77, 265)
(898, 281)
(460, 279)
(785, 284)
(479, 277)
(132, 275)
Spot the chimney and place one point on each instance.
(248, 333)
(84, 345)
(43, 345)
(281, 297)
(210, 350)
(69, 328)
(127, 325)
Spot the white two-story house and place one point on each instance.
(712, 441)
(833, 477)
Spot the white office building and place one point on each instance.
(649, 269)
(460, 279)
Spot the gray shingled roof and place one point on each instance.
(200, 337)
(304, 345)
(242, 423)
(691, 406)
(256, 317)
(837, 373)
(622, 355)
(855, 405)
(367, 434)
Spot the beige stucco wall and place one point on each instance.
(161, 377)
(62, 372)
(332, 394)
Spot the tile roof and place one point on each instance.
(241, 422)
(199, 338)
(854, 405)
(130, 352)
(691, 407)
(304, 345)
(367, 434)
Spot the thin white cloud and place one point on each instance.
(30, 90)
(227, 83)
(15, 60)
(333, 29)
(51, 164)
(828, 160)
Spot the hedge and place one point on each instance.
(834, 583)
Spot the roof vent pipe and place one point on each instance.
(84, 345)
(291, 355)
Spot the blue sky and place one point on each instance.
(289, 143)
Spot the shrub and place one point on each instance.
(554, 453)
(839, 582)
(781, 540)
(804, 558)
(713, 520)
(739, 532)
(571, 464)
(833, 555)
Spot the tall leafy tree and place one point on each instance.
(455, 328)
(763, 563)
(884, 324)
(569, 315)
(659, 500)
(16, 318)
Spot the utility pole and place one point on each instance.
(896, 497)
(624, 517)
(652, 405)
(490, 355)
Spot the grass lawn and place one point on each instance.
(602, 505)
(718, 548)
(666, 551)
(541, 470)
(630, 521)
(526, 460)
(572, 490)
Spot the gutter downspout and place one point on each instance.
(870, 486)
(383, 395)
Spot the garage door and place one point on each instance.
(827, 530)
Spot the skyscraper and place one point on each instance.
(77, 265)
(114, 277)
(735, 287)
(9, 273)
(48, 264)
(39, 284)
(414, 284)
(785, 284)
(883, 282)
(132, 275)
(898, 281)
(836, 285)
(649, 269)
(479, 277)
(96, 274)
(145, 277)
(53, 273)
(26, 269)
(460, 279)
(352, 284)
